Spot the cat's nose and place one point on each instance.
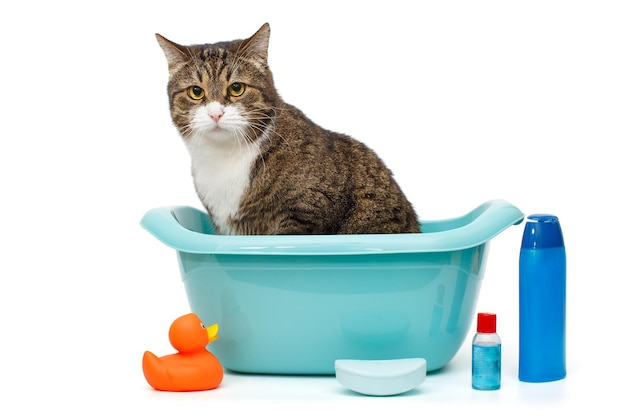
(215, 111)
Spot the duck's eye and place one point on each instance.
(202, 325)
(236, 89)
(195, 92)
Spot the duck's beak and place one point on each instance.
(212, 332)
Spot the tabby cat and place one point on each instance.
(259, 165)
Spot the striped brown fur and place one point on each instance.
(301, 178)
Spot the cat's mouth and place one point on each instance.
(220, 129)
(206, 127)
(218, 134)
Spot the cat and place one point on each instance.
(259, 165)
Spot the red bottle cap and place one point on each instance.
(486, 323)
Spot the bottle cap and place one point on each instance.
(542, 231)
(486, 323)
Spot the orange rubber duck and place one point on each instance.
(193, 368)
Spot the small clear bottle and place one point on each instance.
(486, 354)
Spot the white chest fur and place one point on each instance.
(221, 176)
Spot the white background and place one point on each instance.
(466, 101)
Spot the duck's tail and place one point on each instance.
(155, 373)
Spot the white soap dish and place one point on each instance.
(381, 377)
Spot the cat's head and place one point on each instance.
(221, 93)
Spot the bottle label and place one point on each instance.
(486, 367)
(542, 314)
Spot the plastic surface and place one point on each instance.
(542, 301)
(542, 231)
(193, 368)
(295, 304)
(486, 323)
(381, 378)
(197, 235)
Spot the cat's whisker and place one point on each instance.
(186, 131)
(276, 113)
(240, 136)
(245, 139)
(249, 142)
(274, 133)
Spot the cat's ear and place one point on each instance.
(174, 53)
(259, 42)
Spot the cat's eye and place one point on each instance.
(195, 92)
(236, 89)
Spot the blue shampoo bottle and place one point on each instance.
(542, 279)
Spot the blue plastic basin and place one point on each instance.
(295, 304)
